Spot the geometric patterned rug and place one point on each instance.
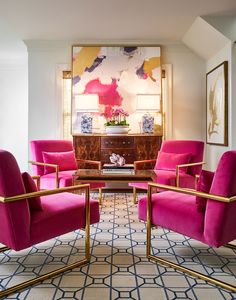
(119, 268)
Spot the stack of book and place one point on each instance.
(111, 168)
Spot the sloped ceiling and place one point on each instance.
(203, 39)
(225, 24)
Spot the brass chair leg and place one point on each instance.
(135, 195)
(231, 246)
(193, 273)
(100, 196)
(41, 278)
(3, 249)
(170, 264)
(84, 261)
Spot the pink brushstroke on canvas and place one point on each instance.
(107, 93)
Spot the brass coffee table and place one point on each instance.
(95, 175)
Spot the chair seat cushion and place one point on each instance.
(174, 211)
(65, 161)
(61, 214)
(168, 178)
(30, 187)
(48, 181)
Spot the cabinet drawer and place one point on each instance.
(128, 155)
(117, 142)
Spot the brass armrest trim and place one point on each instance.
(186, 165)
(37, 178)
(192, 192)
(44, 193)
(42, 164)
(48, 165)
(191, 164)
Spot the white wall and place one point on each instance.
(13, 95)
(44, 101)
(213, 153)
(188, 91)
(14, 108)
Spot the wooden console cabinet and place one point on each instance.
(132, 147)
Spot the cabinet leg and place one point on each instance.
(135, 195)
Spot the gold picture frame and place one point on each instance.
(217, 105)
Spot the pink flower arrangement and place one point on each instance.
(116, 117)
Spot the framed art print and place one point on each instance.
(217, 105)
(115, 75)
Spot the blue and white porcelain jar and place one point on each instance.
(147, 123)
(86, 123)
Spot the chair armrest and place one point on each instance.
(57, 191)
(190, 192)
(37, 178)
(139, 164)
(184, 166)
(92, 162)
(49, 165)
(44, 193)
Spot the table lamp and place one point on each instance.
(147, 104)
(86, 104)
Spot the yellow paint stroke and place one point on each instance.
(151, 64)
(214, 107)
(84, 59)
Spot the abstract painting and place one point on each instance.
(217, 105)
(116, 74)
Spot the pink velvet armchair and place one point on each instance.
(54, 161)
(29, 217)
(207, 215)
(179, 162)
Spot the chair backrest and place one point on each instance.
(220, 218)
(37, 148)
(14, 216)
(195, 148)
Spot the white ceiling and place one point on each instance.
(157, 20)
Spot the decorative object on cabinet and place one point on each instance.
(148, 123)
(117, 160)
(150, 104)
(217, 105)
(116, 74)
(116, 121)
(21, 227)
(116, 129)
(85, 105)
(86, 123)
